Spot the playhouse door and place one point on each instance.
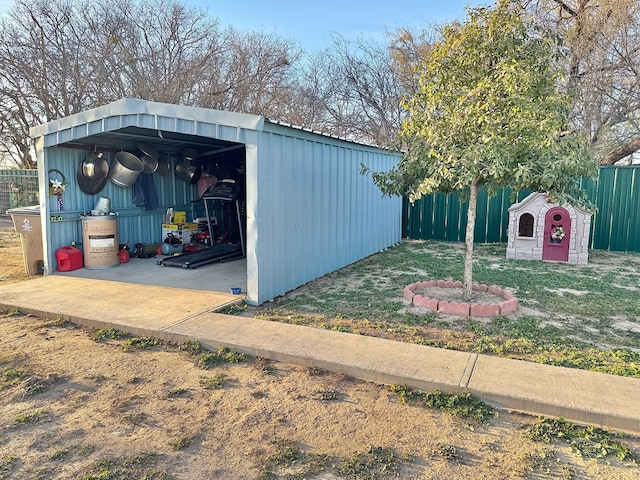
(557, 228)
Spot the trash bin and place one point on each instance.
(26, 221)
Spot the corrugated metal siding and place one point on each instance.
(316, 213)
(620, 223)
(134, 224)
(444, 217)
(633, 232)
(157, 116)
(604, 216)
(617, 221)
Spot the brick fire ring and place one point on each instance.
(461, 309)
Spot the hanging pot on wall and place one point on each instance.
(149, 158)
(164, 166)
(150, 164)
(188, 174)
(125, 169)
(187, 169)
(93, 173)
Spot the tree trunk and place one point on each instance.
(468, 258)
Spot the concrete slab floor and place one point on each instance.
(215, 277)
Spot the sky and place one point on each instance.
(313, 23)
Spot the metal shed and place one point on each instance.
(309, 211)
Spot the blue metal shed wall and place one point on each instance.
(134, 224)
(316, 213)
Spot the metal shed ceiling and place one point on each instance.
(166, 143)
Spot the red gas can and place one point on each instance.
(69, 258)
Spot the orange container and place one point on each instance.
(69, 258)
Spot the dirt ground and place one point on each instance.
(73, 407)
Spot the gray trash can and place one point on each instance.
(26, 221)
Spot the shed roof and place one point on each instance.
(122, 123)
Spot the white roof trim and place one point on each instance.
(134, 106)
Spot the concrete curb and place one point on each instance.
(580, 396)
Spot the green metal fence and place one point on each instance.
(444, 217)
(617, 221)
(614, 226)
(18, 188)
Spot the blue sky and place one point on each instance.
(312, 23)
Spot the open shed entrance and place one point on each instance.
(190, 168)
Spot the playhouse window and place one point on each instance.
(525, 225)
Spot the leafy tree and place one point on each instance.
(490, 112)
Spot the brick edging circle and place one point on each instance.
(508, 305)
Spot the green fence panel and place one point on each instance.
(451, 217)
(496, 223)
(407, 221)
(418, 218)
(604, 214)
(633, 238)
(614, 226)
(440, 217)
(480, 230)
(444, 217)
(427, 217)
(621, 210)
